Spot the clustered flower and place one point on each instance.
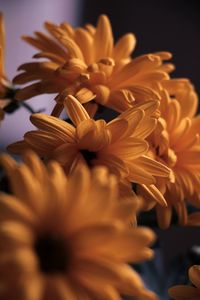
(68, 218)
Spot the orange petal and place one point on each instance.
(60, 128)
(85, 95)
(139, 175)
(18, 147)
(12, 208)
(153, 167)
(75, 110)
(117, 127)
(72, 48)
(129, 149)
(84, 41)
(103, 38)
(154, 194)
(124, 47)
(184, 292)
(194, 275)
(114, 163)
(164, 215)
(65, 154)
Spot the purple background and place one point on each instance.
(23, 17)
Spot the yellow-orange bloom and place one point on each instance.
(175, 142)
(85, 63)
(65, 238)
(188, 292)
(120, 144)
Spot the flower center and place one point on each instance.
(53, 254)
(88, 156)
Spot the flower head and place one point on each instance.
(65, 238)
(175, 142)
(85, 63)
(184, 292)
(120, 144)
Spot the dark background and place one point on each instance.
(172, 26)
(159, 26)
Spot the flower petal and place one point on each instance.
(153, 167)
(154, 193)
(129, 149)
(62, 129)
(194, 275)
(117, 127)
(75, 110)
(184, 292)
(164, 215)
(103, 38)
(124, 46)
(12, 208)
(139, 175)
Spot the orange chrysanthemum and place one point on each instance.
(175, 142)
(85, 63)
(68, 238)
(184, 292)
(120, 144)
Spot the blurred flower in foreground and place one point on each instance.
(67, 238)
(85, 63)
(175, 142)
(184, 292)
(120, 144)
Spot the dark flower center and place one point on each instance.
(88, 156)
(53, 254)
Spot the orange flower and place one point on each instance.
(84, 62)
(120, 144)
(66, 238)
(175, 143)
(184, 292)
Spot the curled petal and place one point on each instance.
(75, 110)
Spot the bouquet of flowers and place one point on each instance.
(127, 142)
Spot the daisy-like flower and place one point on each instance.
(4, 83)
(175, 142)
(84, 62)
(120, 144)
(188, 292)
(67, 238)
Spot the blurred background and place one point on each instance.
(158, 25)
